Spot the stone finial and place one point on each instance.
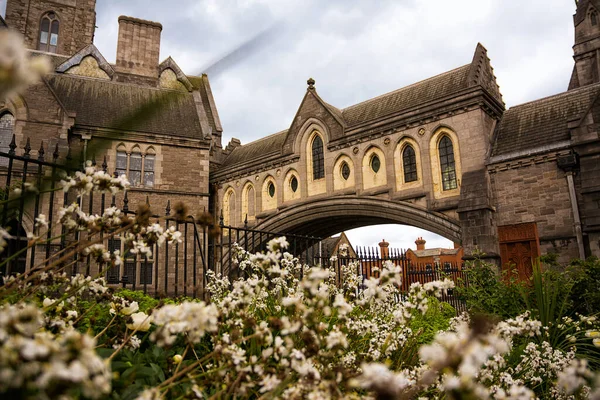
(311, 84)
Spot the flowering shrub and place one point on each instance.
(274, 334)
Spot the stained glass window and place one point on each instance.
(447, 163)
(345, 171)
(409, 162)
(318, 160)
(594, 18)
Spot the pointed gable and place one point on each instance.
(313, 107)
(481, 73)
(169, 73)
(87, 62)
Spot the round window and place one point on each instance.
(375, 163)
(271, 189)
(294, 184)
(345, 171)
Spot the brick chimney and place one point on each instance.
(138, 48)
(420, 242)
(384, 248)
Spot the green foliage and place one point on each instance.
(548, 298)
(145, 302)
(491, 293)
(436, 318)
(586, 279)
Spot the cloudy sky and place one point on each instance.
(354, 49)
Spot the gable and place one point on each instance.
(313, 107)
(87, 62)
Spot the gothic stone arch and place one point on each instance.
(325, 217)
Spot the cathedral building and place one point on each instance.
(442, 154)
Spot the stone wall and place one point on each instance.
(77, 21)
(536, 190)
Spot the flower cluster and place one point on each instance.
(48, 365)
(83, 183)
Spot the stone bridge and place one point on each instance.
(414, 156)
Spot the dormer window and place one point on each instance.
(49, 27)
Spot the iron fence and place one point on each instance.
(369, 261)
(31, 188)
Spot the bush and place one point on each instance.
(491, 293)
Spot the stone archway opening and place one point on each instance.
(328, 216)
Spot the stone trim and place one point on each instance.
(526, 161)
(140, 21)
(169, 63)
(89, 50)
(529, 152)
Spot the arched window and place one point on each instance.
(318, 160)
(49, 27)
(7, 122)
(249, 208)
(135, 168)
(409, 163)
(229, 207)
(149, 159)
(447, 163)
(594, 18)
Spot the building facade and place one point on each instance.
(442, 154)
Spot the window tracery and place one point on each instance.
(49, 30)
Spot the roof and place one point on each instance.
(478, 73)
(422, 92)
(434, 252)
(55, 59)
(257, 149)
(201, 84)
(542, 121)
(105, 104)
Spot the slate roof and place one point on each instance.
(257, 149)
(199, 83)
(543, 121)
(422, 92)
(105, 104)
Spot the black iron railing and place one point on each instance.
(31, 188)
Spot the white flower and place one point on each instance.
(41, 221)
(18, 68)
(131, 308)
(141, 322)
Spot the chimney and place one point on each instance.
(420, 243)
(383, 248)
(138, 48)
